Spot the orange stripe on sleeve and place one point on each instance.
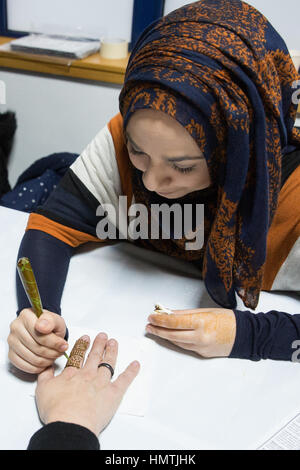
(115, 127)
(66, 234)
(285, 229)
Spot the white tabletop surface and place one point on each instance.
(195, 403)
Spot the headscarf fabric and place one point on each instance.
(223, 72)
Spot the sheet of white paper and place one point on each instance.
(137, 397)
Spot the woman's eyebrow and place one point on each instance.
(172, 159)
(184, 157)
(132, 142)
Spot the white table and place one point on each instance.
(196, 403)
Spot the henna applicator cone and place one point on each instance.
(29, 283)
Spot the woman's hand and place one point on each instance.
(85, 396)
(209, 332)
(35, 343)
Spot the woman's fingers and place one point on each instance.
(194, 310)
(77, 354)
(34, 359)
(184, 336)
(46, 336)
(50, 322)
(96, 353)
(23, 365)
(32, 346)
(110, 357)
(23, 330)
(187, 321)
(50, 341)
(26, 354)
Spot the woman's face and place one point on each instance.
(171, 161)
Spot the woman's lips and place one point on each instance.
(166, 194)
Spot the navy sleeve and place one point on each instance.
(63, 436)
(50, 260)
(269, 335)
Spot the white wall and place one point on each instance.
(283, 15)
(57, 114)
(54, 115)
(95, 16)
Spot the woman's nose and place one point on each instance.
(154, 180)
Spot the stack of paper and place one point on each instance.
(287, 438)
(55, 46)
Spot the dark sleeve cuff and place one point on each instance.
(63, 436)
(269, 335)
(242, 348)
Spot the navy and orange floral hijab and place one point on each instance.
(221, 70)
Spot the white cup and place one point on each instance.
(114, 48)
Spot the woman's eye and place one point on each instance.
(177, 168)
(183, 170)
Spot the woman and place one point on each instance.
(212, 81)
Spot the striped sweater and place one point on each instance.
(100, 175)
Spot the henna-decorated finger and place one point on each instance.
(78, 352)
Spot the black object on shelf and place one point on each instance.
(8, 126)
